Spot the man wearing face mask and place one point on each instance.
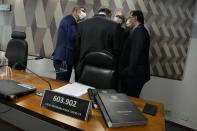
(128, 24)
(120, 18)
(65, 50)
(134, 62)
(95, 34)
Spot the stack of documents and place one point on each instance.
(74, 89)
(119, 110)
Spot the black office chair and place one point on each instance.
(17, 51)
(99, 70)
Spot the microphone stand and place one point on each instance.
(37, 93)
(41, 78)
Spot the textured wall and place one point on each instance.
(168, 21)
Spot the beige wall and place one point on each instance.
(168, 21)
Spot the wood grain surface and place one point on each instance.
(31, 105)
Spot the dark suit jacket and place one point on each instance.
(124, 36)
(97, 33)
(67, 33)
(134, 61)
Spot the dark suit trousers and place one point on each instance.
(132, 86)
(64, 76)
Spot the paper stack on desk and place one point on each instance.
(74, 89)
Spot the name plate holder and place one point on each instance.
(66, 104)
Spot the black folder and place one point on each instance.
(10, 88)
(93, 92)
(118, 110)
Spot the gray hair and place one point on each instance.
(77, 8)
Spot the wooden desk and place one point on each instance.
(31, 104)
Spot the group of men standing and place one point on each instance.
(129, 46)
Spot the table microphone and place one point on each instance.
(21, 64)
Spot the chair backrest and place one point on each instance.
(17, 51)
(99, 70)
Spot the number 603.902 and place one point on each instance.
(67, 101)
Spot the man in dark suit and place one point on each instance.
(134, 61)
(120, 18)
(97, 33)
(63, 56)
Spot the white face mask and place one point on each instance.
(102, 13)
(82, 15)
(118, 20)
(128, 24)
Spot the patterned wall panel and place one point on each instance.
(169, 23)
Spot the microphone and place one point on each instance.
(21, 64)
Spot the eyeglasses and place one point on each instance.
(119, 16)
(131, 17)
(83, 10)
